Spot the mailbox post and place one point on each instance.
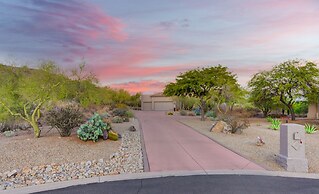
(292, 148)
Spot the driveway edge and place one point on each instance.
(145, 159)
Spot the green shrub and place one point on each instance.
(93, 128)
(301, 108)
(310, 128)
(170, 113)
(126, 119)
(121, 112)
(211, 114)
(269, 119)
(117, 119)
(275, 124)
(121, 106)
(183, 112)
(197, 111)
(64, 119)
(129, 114)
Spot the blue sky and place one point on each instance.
(141, 46)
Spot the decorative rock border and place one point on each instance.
(128, 159)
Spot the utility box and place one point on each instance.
(292, 148)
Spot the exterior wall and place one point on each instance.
(145, 101)
(149, 102)
(312, 111)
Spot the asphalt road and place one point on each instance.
(199, 184)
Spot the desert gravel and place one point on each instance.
(245, 143)
(68, 158)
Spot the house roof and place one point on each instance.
(160, 94)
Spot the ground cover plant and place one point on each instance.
(275, 124)
(310, 129)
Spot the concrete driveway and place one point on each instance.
(172, 146)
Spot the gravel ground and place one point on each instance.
(245, 143)
(32, 161)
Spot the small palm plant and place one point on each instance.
(275, 124)
(310, 128)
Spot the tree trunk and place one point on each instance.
(36, 129)
(202, 110)
(292, 112)
(265, 113)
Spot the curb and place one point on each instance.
(149, 175)
(146, 164)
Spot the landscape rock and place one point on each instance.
(132, 128)
(128, 159)
(9, 133)
(218, 127)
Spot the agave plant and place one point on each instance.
(275, 124)
(310, 128)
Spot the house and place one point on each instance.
(157, 102)
(313, 111)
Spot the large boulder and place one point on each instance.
(218, 126)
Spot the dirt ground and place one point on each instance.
(245, 143)
(24, 150)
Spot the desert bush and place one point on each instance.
(121, 106)
(64, 119)
(129, 114)
(117, 119)
(121, 112)
(191, 113)
(197, 111)
(12, 125)
(236, 124)
(269, 119)
(310, 128)
(126, 119)
(211, 114)
(183, 112)
(93, 129)
(275, 124)
(170, 113)
(301, 108)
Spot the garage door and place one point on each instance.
(147, 106)
(164, 106)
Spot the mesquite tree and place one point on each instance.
(200, 83)
(287, 82)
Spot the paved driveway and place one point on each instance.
(172, 146)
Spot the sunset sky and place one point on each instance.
(141, 45)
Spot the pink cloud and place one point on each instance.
(148, 86)
(71, 23)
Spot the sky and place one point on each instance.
(142, 45)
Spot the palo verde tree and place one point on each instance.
(199, 83)
(26, 90)
(287, 82)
